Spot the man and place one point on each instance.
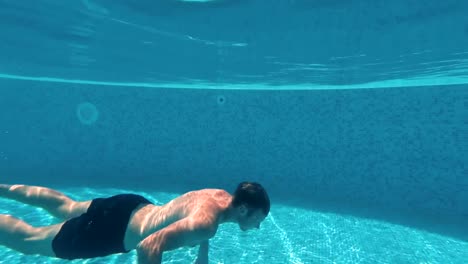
(120, 223)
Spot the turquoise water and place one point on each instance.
(288, 235)
(350, 104)
(230, 43)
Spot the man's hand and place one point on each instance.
(148, 253)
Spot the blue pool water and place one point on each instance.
(352, 114)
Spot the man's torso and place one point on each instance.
(149, 218)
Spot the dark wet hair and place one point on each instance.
(252, 195)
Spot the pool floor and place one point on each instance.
(288, 235)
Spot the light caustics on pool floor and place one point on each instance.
(429, 80)
(288, 235)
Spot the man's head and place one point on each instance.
(252, 203)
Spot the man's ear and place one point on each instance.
(243, 210)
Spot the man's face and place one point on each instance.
(252, 221)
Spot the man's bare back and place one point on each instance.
(203, 205)
(124, 222)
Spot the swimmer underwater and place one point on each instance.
(121, 223)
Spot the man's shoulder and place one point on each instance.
(211, 202)
(211, 191)
(206, 193)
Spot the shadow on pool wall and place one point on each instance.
(397, 154)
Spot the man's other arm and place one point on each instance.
(186, 232)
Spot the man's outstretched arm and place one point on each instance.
(202, 257)
(186, 232)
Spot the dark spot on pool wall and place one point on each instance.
(220, 99)
(87, 113)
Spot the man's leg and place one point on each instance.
(20, 236)
(56, 203)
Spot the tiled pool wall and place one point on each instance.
(399, 148)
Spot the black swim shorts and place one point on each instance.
(98, 232)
